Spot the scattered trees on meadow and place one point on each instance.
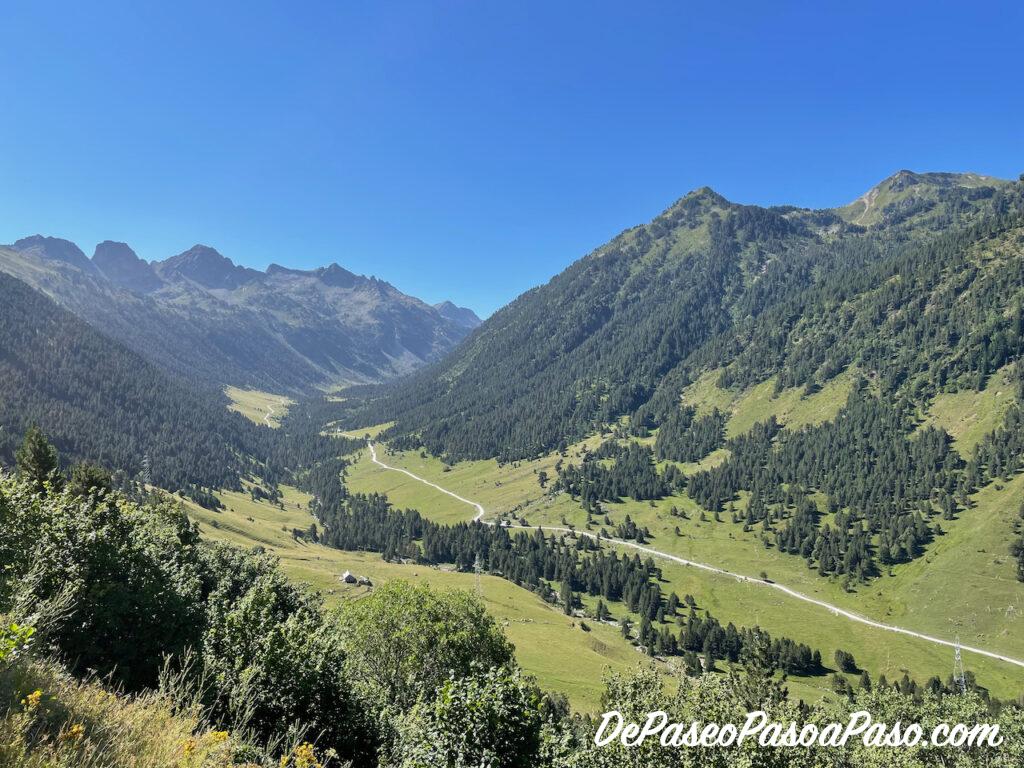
(405, 677)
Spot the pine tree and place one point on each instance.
(565, 597)
(36, 460)
(709, 655)
(88, 479)
(845, 661)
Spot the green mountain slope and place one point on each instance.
(762, 306)
(707, 284)
(907, 194)
(829, 400)
(99, 401)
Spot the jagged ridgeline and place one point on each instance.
(198, 315)
(911, 291)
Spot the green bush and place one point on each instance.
(493, 718)
(132, 575)
(406, 640)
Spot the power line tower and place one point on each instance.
(478, 569)
(959, 677)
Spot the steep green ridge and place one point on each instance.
(885, 319)
(711, 284)
(800, 369)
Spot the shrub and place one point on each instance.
(493, 718)
(405, 641)
(132, 575)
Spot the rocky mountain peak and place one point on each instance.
(121, 265)
(54, 249)
(207, 267)
(461, 316)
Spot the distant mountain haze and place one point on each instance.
(206, 267)
(201, 316)
(463, 316)
(54, 249)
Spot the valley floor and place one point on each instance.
(554, 648)
(260, 407)
(969, 591)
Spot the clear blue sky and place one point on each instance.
(470, 150)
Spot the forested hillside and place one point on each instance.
(101, 402)
(757, 291)
(924, 302)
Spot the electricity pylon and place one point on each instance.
(959, 678)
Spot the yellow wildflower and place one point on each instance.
(32, 700)
(305, 757)
(74, 733)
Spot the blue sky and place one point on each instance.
(471, 150)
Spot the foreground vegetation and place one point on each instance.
(563, 654)
(130, 641)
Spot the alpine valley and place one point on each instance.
(824, 402)
(141, 361)
(738, 457)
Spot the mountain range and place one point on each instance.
(830, 396)
(746, 291)
(201, 316)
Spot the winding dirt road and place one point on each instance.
(834, 609)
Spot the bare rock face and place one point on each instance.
(203, 317)
(54, 249)
(121, 265)
(206, 267)
(462, 316)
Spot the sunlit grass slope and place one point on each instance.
(261, 407)
(790, 406)
(555, 648)
(964, 586)
(968, 416)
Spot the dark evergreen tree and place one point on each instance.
(37, 461)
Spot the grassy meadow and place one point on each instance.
(969, 416)
(260, 407)
(556, 649)
(963, 587)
